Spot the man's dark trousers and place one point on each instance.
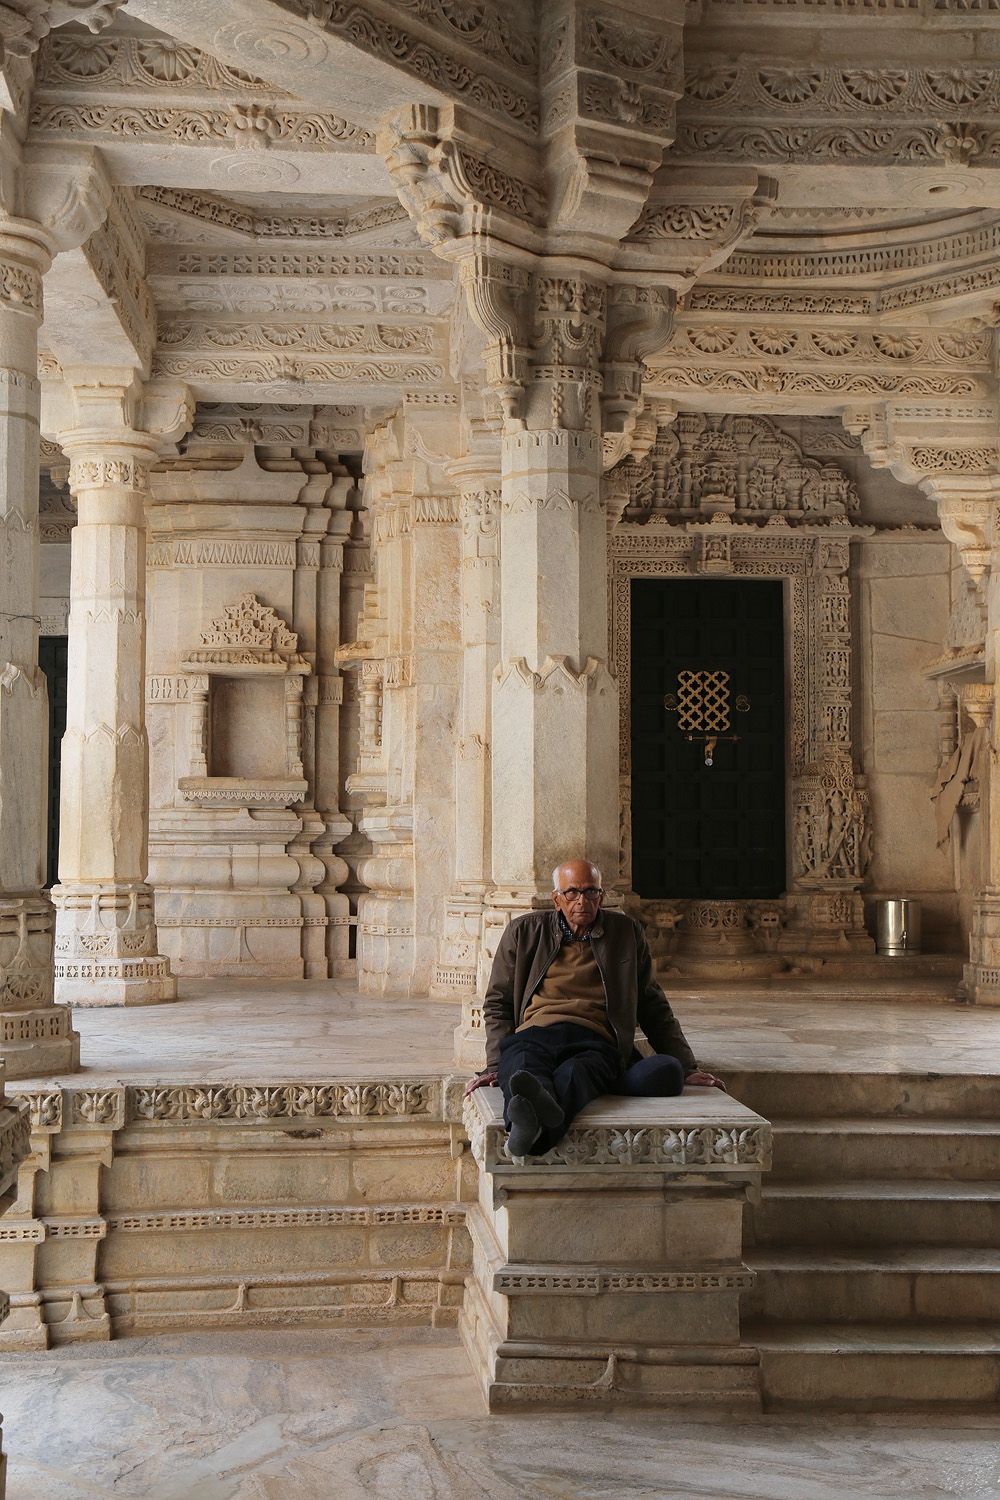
(574, 1063)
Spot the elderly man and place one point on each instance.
(566, 991)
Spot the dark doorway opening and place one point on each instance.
(716, 647)
(52, 655)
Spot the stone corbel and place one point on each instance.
(499, 294)
(113, 402)
(167, 411)
(67, 190)
(454, 183)
(966, 520)
(694, 219)
(640, 320)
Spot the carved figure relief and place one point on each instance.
(736, 464)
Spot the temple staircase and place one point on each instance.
(876, 1241)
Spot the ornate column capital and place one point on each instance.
(65, 189)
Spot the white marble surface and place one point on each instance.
(268, 1030)
(395, 1416)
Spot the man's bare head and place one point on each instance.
(577, 893)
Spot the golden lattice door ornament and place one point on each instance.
(701, 704)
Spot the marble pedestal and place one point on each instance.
(609, 1271)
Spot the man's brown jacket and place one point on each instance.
(529, 945)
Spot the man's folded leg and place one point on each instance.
(524, 1073)
(588, 1067)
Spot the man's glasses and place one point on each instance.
(589, 893)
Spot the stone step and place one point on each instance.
(877, 1366)
(903, 1211)
(886, 1149)
(797, 1285)
(785, 1093)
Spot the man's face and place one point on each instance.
(578, 893)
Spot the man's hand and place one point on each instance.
(482, 1080)
(702, 1081)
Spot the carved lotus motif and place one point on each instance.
(84, 58)
(875, 85)
(962, 345)
(835, 344)
(790, 85)
(168, 61)
(709, 81)
(773, 340)
(959, 85)
(896, 345)
(712, 340)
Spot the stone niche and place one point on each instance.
(243, 687)
(242, 708)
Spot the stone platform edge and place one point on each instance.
(53, 1107)
(704, 1131)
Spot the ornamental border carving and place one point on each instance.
(113, 1108)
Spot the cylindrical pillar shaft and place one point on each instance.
(105, 935)
(36, 1037)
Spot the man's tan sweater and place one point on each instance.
(572, 990)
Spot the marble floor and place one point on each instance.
(395, 1416)
(226, 1031)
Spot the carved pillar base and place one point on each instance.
(385, 915)
(105, 947)
(826, 921)
(498, 908)
(37, 1036)
(716, 942)
(456, 969)
(981, 975)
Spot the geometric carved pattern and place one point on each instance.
(703, 702)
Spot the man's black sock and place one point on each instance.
(546, 1109)
(523, 1130)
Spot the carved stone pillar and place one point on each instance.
(830, 803)
(477, 478)
(106, 945)
(982, 972)
(316, 617)
(36, 1036)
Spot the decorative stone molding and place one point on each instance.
(544, 1281)
(238, 126)
(260, 1104)
(448, 57)
(293, 263)
(154, 64)
(793, 90)
(235, 219)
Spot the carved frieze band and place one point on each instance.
(247, 126)
(112, 1108)
(96, 473)
(544, 1281)
(700, 1148)
(504, 32)
(255, 225)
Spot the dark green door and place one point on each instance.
(717, 831)
(52, 660)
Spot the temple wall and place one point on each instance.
(903, 593)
